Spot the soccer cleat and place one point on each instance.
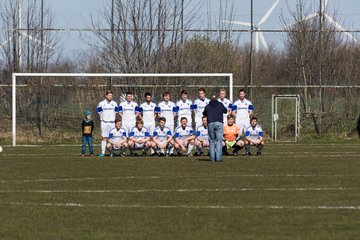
(235, 153)
(225, 153)
(248, 153)
(188, 155)
(143, 154)
(196, 154)
(111, 155)
(101, 155)
(154, 155)
(162, 154)
(258, 153)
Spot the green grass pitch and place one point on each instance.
(292, 191)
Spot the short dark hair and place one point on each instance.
(117, 120)
(108, 92)
(148, 94)
(162, 119)
(166, 93)
(204, 117)
(202, 90)
(241, 90)
(183, 118)
(129, 93)
(183, 92)
(253, 118)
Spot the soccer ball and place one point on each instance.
(0, 149)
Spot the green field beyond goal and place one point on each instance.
(292, 191)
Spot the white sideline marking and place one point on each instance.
(80, 205)
(179, 190)
(176, 177)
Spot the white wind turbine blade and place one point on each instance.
(267, 15)
(339, 27)
(35, 40)
(302, 20)
(257, 45)
(237, 23)
(263, 42)
(324, 6)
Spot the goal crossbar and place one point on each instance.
(15, 75)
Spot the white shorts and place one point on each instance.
(150, 128)
(139, 145)
(171, 128)
(128, 126)
(243, 125)
(106, 128)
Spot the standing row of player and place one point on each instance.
(130, 111)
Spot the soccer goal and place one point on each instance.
(285, 118)
(47, 108)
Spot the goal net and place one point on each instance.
(47, 108)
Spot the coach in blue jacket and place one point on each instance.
(214, 113)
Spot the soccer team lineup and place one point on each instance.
(167, 128)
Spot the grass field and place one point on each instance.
(293, 191)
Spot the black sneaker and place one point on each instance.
(143, 154)
(188, 155)
(161, 154)
(258, 153)
(225, 153)
(248, 153)
(154, 155)
(196, 154)
(235, 153)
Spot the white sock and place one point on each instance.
(190, 148)
(103, 146)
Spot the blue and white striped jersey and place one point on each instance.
(139, 133)
(254, 132)
(148, 112)
(128, 110)
(242, 109)
(161, 134)
(203, 133)
(107, 110)
(182, 133)
(117, 135)
(167, 110)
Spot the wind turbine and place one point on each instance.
(329, 19)
(259, 36)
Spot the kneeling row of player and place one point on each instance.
(183, 140)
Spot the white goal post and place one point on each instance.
(197, 75)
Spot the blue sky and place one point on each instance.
(76, 14)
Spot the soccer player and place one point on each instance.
(243, 109)
(107, 110)
(168, 110)
(184, 138)
(232, 134)
(185, 107)
(148, 113)
(199, 106)
(202, 137)
(139, 138)
(162, 138)
(254, 137)
(226, 102)
(117, 139)
(129, 111)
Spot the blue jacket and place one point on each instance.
(214, 111)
